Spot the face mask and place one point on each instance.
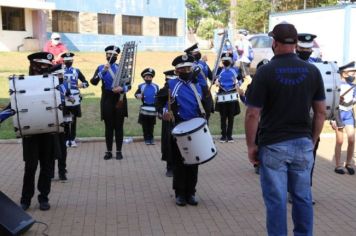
(226, 63)
(68, 64)
(112, 60)
(185, 76)
(350, 79)
(148, 81)
(197, 56)
(303, 55)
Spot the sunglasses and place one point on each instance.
(57, 38)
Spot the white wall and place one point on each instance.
(10, 40)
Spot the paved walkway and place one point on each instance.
(133, 196)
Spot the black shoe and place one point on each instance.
(191, 200)
(44, 206)
(25, 206)
(230, 140)
(222, 139)
(180, 201)
(63, 177)
(108, 155)
(147, 142)
(169, 173)
(119, 156)
(152, 142)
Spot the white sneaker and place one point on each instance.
(74, 144)
(67, 143)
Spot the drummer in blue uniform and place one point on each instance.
(113, 112)
(184, 106)
(229, 79)
(146, 92)
(71, 77)
(304, 48)
(203, 77)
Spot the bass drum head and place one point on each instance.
(188, 127)
(331, 79)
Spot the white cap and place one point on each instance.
(55, 35)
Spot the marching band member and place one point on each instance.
(204, 75)
(304, 48)
(347, 118)
(71, 77)
(147, 92)
(167, 125)
(228, 81)
(38, 147)
(112, 111)
(184, 106)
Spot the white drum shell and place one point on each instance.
(76, 95)
(194, 141)
(148, 110)
(227, 97)
(35, 100)
(331, 79)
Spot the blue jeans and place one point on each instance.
(287, 165)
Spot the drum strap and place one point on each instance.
(201, 108)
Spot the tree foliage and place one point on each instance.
(253, 15)
(206, 28)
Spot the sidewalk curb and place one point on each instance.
(137, 138)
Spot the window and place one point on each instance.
(167, 27)
(105, 24)
(132, 25)
(65, 21)
(13, 18)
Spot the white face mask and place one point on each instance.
(55, 42)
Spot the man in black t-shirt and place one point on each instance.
(281, 96)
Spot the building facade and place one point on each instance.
(91, 25)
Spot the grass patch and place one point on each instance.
(89, 125)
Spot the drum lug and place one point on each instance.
(45, 75)
(213, 150)
(205, 130)
(21, 77)
(26, 127)
(24, 110)
(11, 91)
(46, 89)
(197, 158)
(60, 107)
(328, 72)
(22, 91)
(51, 125)
(329, 90)
(189, 138)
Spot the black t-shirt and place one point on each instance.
(285, 89)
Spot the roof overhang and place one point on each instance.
(31, 4)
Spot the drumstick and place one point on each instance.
(169, 106)
(347, 91)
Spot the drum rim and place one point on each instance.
(212, 157)
(191, 131)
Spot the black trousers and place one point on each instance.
(226, 118)
(60, 154)
(70, 129)
(185, 177)
(37, 148)
(148, 123)
(114, 122)
(166, 148)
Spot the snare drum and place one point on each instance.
(148, 111)
(226, 97)
(331, 79)
(36, 102)
(76, 95)
(194, 141)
